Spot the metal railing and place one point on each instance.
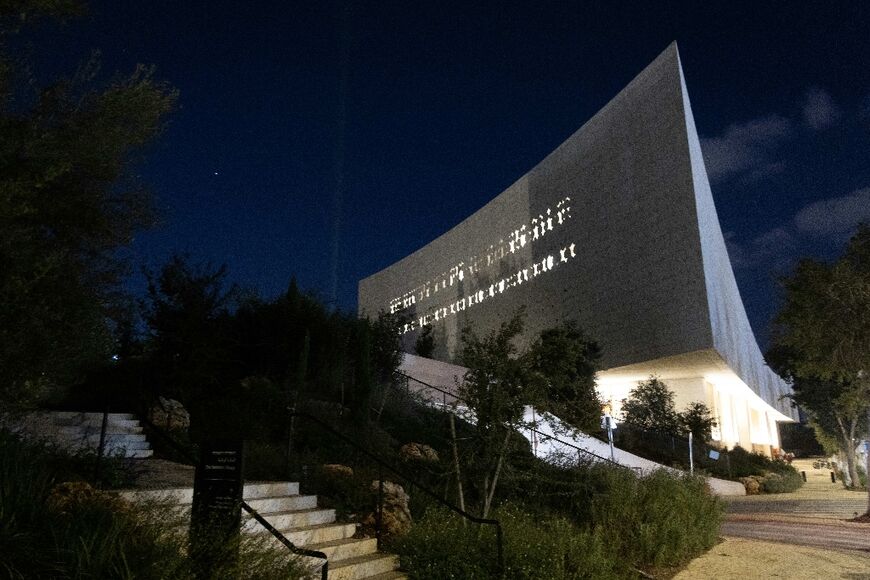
(384, 464)
(545, 436)
(324, 569)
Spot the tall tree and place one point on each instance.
(188, 314)
(496, 387)
(650, 406)
(822, 339)
(68, 201)
(566, 361)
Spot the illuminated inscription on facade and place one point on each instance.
(521, 276)
(518, 239)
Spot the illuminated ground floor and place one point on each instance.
(743, 418)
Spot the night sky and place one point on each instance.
(390, 122)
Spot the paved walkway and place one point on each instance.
(792, 535)
(739, 558)
(817, 499)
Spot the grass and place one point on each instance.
(582, 521)
(52, 526)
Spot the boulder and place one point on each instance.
(752, 484)
(396, 519)
(418, 452)
(169, 414)
(337, 471)
(69, 496)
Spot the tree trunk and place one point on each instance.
(490, 493)
(867, 457)
(456, 464)
(847, 442)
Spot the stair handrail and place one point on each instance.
(386, 464)
(324, 570)
(532, 429)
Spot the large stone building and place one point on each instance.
(615, 229)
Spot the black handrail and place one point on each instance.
(551, 437)
(385, 464)
(324, 570)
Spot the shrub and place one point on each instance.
(443, 545)
(84, 534)
(784, 482)
(657, 520)
(609, 521)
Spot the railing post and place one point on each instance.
(691, 458)
(98, 466)
(499, 550)
(380, 516)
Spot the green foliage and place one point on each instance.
(443, 545)
(657, 520)
(496, 387)
(69, 200)
(820, 340)
(698, 420)
(566, 361)
(785, 481)
(425, 344)
(801, 440)
(97, 536)
(650, 406)
(618, 523)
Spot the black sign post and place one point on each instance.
(215, 518)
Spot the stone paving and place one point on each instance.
(817, 499)
(792, 535)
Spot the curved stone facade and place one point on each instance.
(615, 229)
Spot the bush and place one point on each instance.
(444, 545)
(590, 521)
(657, 520)
(784, 482)
(73, 531)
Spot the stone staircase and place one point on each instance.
(304, 524)
(77, 431)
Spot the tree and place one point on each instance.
(69, 201)
(698, 420)
(425, 344)
(822, 340)
(566, 361)
(650, 406)
(496, 387)
(188, 314)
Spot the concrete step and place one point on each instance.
(79, 430)
(320, 533)
(270, 489)
(80, 416)
(184, 495)
(288, 520)
(363, 566)
(345, 548)
(115, 438)
(178, 495)
(139, 453)
(110, 448)
(113, 424)
(269, 505)
(394, 575)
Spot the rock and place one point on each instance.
(752, 485)
(337, 471)
(169, 414)
(69, 496)
(396, 520)
(418, 452)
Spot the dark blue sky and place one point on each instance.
(422, 112)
